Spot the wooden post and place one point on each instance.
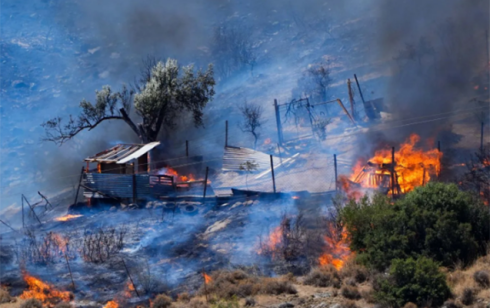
(32, 209)
(481, 137)
(439, 152)
(360, 92)
(69, 269)
(278, 122)
(273, 177)
(393, 172)
(206, 181)
(423, 178)
(351, 99)
(3, 222)
(78, 189)
(187, 148)
(131, 279)
(45, 199)
(335, 168)
(23, 223)
(226, 133)
(134, 189)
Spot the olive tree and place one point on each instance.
(170, 93)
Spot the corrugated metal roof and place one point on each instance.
(235, 156)
(122, 153)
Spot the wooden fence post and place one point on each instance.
(206, 182)
(79, 182)
(278, 122)
(272, 172)
(226, 133)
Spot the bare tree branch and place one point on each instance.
(252, 120)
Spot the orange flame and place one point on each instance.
(275, 239)
(207, 278)
(128, 291)
(43, 291)
(67, 217)
(337, 248)
(413, 167)
(111, 304)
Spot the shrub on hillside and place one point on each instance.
(482, 278)
(418, 281)
(468, 296)
(4, 296)
(437, 220)
(63, 305)
(162, 301)
(323, 277)
(31, 303)
(350, 292)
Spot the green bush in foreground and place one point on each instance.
(417, 281)
(437, 221)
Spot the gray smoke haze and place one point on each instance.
(437, 48)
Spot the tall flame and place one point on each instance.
(337, 249)
(413, 167)
(43, 291)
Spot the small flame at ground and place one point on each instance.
(111, 304)
(337, 248)
(43, 291)
(207, 278)
(67, 217)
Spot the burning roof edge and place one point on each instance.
(122, 153)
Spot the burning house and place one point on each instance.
(125, 172)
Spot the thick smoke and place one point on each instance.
(437, 48)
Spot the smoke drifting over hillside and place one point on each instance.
(437, 47)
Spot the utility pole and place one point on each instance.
(273, 177)
(278, 122)
(205, 183)
(335, 167)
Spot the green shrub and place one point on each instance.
(229, 303)
(417, 281)
(437, 221)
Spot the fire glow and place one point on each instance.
(43, 292)
(67, 217)
(413, 168)
(337, 249)
(271, 245)
(207, 278)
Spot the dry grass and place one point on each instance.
(5, 296)
(226, 284)
(162, 301)
(31, 303)
(323, 277)
(354, 273)
(410, 305)
(184, 297)
(468, 284)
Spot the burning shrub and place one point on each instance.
(44, 292)
(31, 303)
(50, 248)
(326, 276)
(436, 220)
(482, 278)
(350, 292)
(417, 281)
(162, 301)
